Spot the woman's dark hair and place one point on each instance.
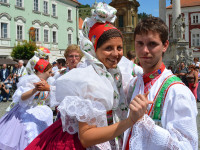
(191, 66)
(49, 66)
(112, 33)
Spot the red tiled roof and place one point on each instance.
(187, 3)
(76, 1)
(80, 23)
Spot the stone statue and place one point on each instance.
(179, 26)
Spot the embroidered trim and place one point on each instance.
(152, 75)
(161, 95)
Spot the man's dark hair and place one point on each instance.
(61, 61)
(131, 55)
(153, 24)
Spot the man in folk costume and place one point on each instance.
(170, 122)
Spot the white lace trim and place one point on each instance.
(52, 93)
(73, 109)
(147, 135)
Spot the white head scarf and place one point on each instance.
(102, 13)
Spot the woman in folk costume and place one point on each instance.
(170, 123)
(93, 106)
(73, 55)
(30, 115)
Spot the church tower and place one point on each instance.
(127, 20)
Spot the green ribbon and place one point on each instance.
(161, 94)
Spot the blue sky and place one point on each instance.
(147, 6)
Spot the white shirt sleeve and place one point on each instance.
(179, 128)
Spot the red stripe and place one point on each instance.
(157, 94)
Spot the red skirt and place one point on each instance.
(53, 138)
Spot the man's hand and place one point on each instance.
(138, 107)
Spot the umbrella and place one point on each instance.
(44, 49)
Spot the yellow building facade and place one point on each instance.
(127, 19)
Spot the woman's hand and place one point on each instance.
(42, 85)
(138, 107)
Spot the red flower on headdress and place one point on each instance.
(110, 26)
(93, 39)
(41, 65)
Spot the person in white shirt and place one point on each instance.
(136, 69)
(170, 121)
(21, 68)
(196, 62)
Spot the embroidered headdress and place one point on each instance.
(37, 62)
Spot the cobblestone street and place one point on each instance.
(4, 105)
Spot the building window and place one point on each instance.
(121, 21)
(69, 39)
(19, 32)
(195, 18)
(54, 37)
(196, 39)
(133, 20)
(4, 1)
(53, 10)
(4, 30)
(45, 7)
(69, 14)
(46, 35)
(37, 33)
(19, 3)
(36, 5)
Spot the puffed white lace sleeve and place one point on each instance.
(83, 97)
(25, 84)
(179, 128)
(126, 69)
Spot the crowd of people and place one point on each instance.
(104, 100)
(9, 79)
(190, 76)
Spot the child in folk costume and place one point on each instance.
(93, 105)
(30, 115)
(170, 122)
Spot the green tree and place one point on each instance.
(143, 15)
(84, 11)
(84, 6)
(24, 50)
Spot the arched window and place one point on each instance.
(54, 33)
(5, 26)
(37, 25)
(46, 32)
(20, 25)
(70, 35)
